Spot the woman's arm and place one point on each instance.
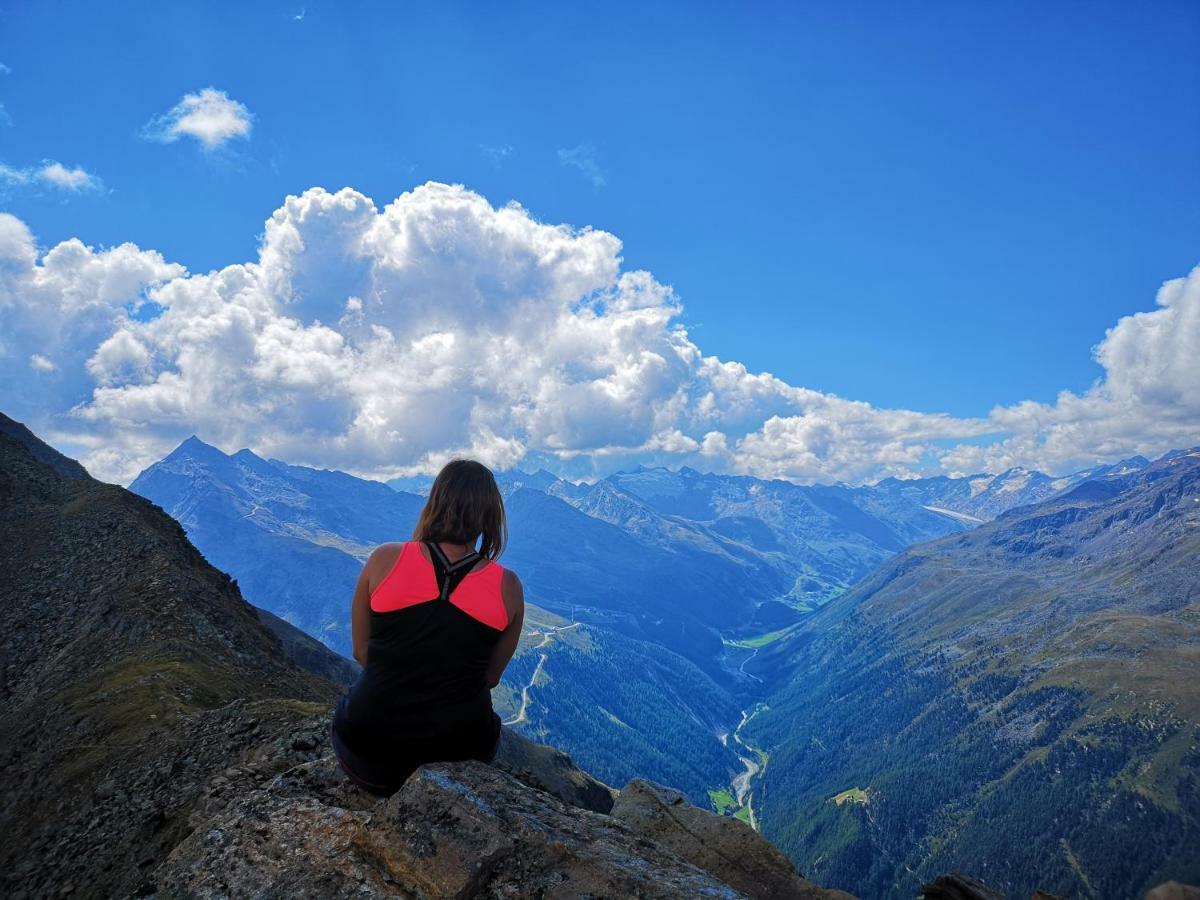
(514, 602)
(360, 612)
(378, 564)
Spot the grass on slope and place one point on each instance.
(762, 640)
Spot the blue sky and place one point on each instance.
(936, 207)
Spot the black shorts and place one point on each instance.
(385, 777)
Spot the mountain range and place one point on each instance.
(657, 573)
(1018, 700)
(982, 497)
(654, 593)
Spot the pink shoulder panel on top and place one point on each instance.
(412, 580)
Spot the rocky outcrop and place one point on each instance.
(462, 830)
(131, 673)
(726, 847)
(453, 830)
(1173, 890)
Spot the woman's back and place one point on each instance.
(424, 693)
(433, 634)
(427, 656)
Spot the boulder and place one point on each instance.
(453, 830)
(726, 847)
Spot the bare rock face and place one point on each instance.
(1173, 890)
(454, 830)
(726, 847)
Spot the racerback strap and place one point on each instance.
(450, 574)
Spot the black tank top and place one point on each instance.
(423, 694)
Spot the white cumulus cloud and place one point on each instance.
(210, 116)
(384, 341)
(1147, 401)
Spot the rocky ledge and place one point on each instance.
(529, 825)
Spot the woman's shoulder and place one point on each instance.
(385, 555)
(510, 583)
(391, 548)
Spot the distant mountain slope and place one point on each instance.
(131, 671)
(984, 497)
(623, 708)
(1021, 701)
(817, 540)
(309, 653)
(294, 538)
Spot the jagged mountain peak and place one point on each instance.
(193, 445)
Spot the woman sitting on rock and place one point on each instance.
(434, 622)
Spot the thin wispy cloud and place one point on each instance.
(497, 154)
(209, 116)
(54, 174)
(5, 118)
(583, 158)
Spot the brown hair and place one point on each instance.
(464, 503)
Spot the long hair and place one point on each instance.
(464, 505)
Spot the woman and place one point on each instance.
(434, 623)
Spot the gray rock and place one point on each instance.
(725, 847)
(454, 830)
(1173, 890)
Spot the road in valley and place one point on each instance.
(547, 637)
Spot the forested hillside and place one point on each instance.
(1021, 701)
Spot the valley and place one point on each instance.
(1020, 698)
(755, 762)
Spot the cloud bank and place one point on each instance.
(383, 342)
